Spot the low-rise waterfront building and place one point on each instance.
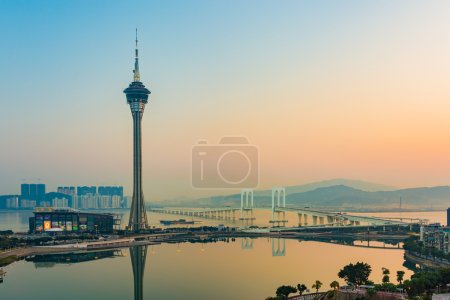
(70, 220)
(440, 297)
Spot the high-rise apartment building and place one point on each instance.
(115, 201)
(60, 203)
(32, 191)
(448, 217)
(68, 190)
(110, 190)
(12, 202)
(84, 190)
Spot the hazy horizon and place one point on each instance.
(344, 90)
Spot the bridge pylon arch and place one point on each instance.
(247, 205)
(278, 203)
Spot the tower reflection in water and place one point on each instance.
(138, 256)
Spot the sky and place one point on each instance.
(322, 89)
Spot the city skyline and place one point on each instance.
(321, 97)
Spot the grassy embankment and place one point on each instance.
(7, 260)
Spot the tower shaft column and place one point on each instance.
(138, 216)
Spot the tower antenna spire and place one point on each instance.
(137, 75)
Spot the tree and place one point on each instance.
(317, 285)
(334, 285)
(371, 292)
(386, 273)
(356, 273)
(285, 290)
(301, 288)
(400, 275)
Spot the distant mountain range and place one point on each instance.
(342, 194)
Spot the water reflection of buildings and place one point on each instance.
(376, 244)
(138, 256)
(50, 260)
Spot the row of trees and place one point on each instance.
(285, 290)
(358, 274)
(413, 244)
(424, 283)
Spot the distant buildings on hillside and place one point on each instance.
(81, 197)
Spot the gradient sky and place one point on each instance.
(324, 89)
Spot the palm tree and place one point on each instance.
(400, 275)
(301, 288)
(334, 285)
(317, 285)
(386, 273)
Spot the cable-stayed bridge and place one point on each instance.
(306, 217)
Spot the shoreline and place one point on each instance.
(432, 264)
(337, 209)
(10, 257)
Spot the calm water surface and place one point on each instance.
(240, 269)
(243, 269)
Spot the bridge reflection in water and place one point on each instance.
(138, 256)
(279, 244)
(278, 247)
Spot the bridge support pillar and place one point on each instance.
(314, 220)
(305, 216)
(321, 220)
(299, 220)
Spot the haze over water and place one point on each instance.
(18, 220)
